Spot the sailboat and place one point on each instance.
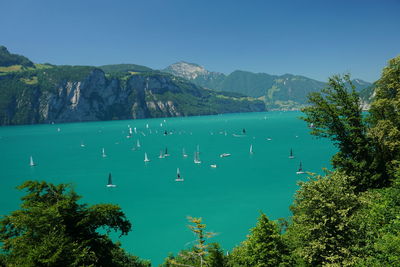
(291, 154)
(178, 176)
(103, 153)
(166, 152)
(161, 156)
(31, 162)
(300, 170)
(137, 143)
(184, 153)
(110, 184)
(251, 149)
(146, 159)
(196, 158)
(130, 133)
(82, 144)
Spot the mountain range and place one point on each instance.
(278, 91)
(44, 93)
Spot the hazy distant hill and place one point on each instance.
(115, 68)
(279, 92)
(43, 93)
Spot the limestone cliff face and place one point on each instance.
(98, 97)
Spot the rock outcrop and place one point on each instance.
(98, 97)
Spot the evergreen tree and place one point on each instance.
(263, 247)
(199, 254)
(215, 256)
(52, 229)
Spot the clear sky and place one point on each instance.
(311, 38)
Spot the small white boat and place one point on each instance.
(147, 126)
(135, 130)
(110, 184)
(137, 143)
(161, 156)
(82, 144)
(196, 158)
(300, 170)
(31, 162)
(213, 165)
(223, 155)
(184, 153)
(178, 176)
(146, 159)
(251, 149)
(291, 154)
(269, 139)
(130, 133)
(103, 153)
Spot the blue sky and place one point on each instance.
(312, 38)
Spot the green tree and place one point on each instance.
(385, 118)
(323, 229)
(199, 254)
(336, 113)
(52, 229)
(263, 247)
(379, 218)
(215, 256)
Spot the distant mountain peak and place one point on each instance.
(186, 70)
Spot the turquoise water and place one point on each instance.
(228, 197)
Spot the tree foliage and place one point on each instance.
(336, 113)
(263, 247)
(201, 254)
(384, 118)
(323, 228)
(53, 229)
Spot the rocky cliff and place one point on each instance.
(69, 94)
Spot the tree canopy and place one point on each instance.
(53, 229)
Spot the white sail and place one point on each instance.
(196, 158)
(161, 156)
(103, 153)
(137, 143)
(251, 149)
(130, 130)
(31, 162)
(184, 153)
(146, 159)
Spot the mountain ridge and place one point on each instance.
(44, 93)
(287, 91)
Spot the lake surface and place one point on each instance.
(228, 198)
